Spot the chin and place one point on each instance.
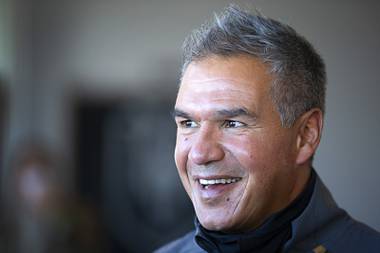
(214, 226)
(220, 224)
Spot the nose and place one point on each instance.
(206, 147)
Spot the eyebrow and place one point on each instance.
(229, 113)
(179, 113)
(235, 112)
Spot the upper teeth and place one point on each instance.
(218, 181)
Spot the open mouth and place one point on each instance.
(206, 183)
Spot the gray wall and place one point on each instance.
(5, 38)
(112, 47)
(5, 67)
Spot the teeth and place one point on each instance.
(218, 181)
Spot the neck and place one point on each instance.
(300, 183)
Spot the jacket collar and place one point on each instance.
(320, 211)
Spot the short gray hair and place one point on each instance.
(299, 71)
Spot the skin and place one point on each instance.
(228, 127)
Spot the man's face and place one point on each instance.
(235, 160)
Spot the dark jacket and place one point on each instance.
(322, 227)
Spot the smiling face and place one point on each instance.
(236, 162)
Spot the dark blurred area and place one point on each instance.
(126, 195)
(86, 135)
(125, 167)
(86, 149)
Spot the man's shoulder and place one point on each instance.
(340, 234)
(348, 235)
(184, 244)
(323, 223)
(356, 235)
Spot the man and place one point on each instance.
(249, 113)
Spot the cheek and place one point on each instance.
(246, 150)
(181, 152)
(180, 156)
(258, 152)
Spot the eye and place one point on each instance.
(233, 124)
(188, 124)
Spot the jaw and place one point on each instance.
(218, 208)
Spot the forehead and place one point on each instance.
(224, 82)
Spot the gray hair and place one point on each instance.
(298, 70)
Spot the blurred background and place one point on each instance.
(87, 140)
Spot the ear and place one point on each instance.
(309, 134)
